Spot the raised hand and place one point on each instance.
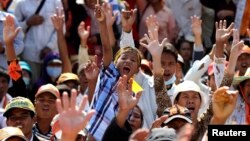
(139, 135)
(83, 32)
(153, 46)
(9, 30)
(159, 121)
(99, 13)
(223, 33)
(126, 99)
(91, 69)
(223, 102)
(196, 25)
(152, 24)
(237, 45)
(107, 8)
(58, 19)
(72, 118)
(128, 19)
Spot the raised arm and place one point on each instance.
(83, 33)
(9, 34)
(198, 52)
(91, 71)
(235, 52)
(107, 49)
(110, 21)
(155, 48)
(128, 19)
(222, 35)
(58, 22)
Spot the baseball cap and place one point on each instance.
(48, 88)
(177, 112)
(19, 102)
(25, 66)
(8, 132)
(66, 77)
(162, 134)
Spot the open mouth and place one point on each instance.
(126, 70)
(166, 75)
(191, 109)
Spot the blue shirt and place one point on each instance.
(105, 102)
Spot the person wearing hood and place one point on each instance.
(51, 70)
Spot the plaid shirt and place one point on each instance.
(105, 101)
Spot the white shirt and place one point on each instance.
(39, 36)
(147, 101)
(183, 10)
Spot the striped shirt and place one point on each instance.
(105, 102)
(41, 136)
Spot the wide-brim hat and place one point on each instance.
(9, 132)
(237, 80)
(188, 85)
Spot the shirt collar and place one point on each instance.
(2, 16)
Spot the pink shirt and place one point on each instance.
(167, 25)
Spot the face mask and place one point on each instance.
(54, 72)
(26, 80)
(171, 81)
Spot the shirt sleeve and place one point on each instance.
(127, 40)
(218, 67)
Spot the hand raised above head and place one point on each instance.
(91, 69)
(196, 25)
(9, 29)
(99, 13)
(222, 32)
(128, 19)
(83, 32)
(58, 19)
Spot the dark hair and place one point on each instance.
(170, 49)
(181, 41)
(4, 73)
(141, 114)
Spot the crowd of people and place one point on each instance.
(133, 70)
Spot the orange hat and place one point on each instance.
(245, 49)
(48, 88)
